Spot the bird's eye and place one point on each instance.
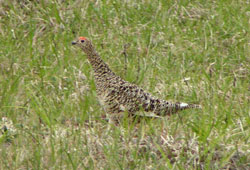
(82, 41)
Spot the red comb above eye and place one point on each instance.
(82, 38)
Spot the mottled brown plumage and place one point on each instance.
(118, 95)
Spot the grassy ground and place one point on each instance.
(196, 52)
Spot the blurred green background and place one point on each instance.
(190, 51)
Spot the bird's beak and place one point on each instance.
(74, 43)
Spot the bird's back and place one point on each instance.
(119, 95)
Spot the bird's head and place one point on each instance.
(84, 44)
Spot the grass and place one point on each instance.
(190, 51)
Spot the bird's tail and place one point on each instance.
(168, 108)
(183, 106)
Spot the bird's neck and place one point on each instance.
(97, 63)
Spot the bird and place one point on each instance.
(119, 96)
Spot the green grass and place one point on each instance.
(49, 114)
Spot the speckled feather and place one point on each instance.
(118, 95)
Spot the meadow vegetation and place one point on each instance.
(189, 51)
